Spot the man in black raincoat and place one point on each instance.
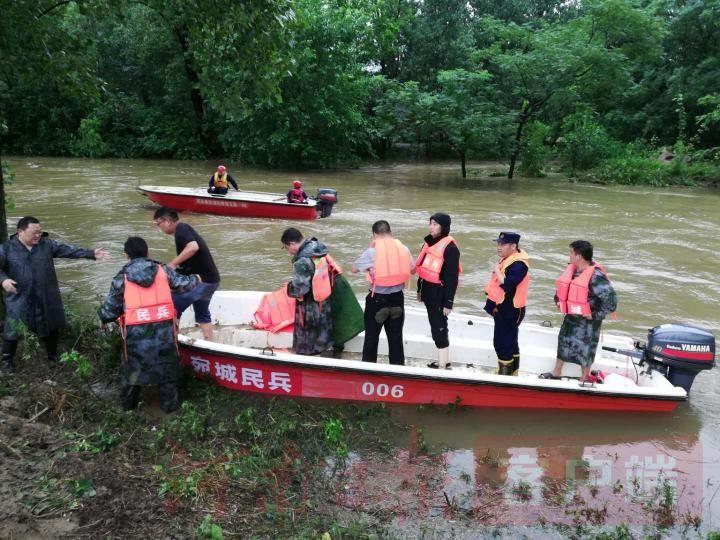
(27, 274)
(150, 354)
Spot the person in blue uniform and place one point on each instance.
(506, 298)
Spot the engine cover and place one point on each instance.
(682, 345)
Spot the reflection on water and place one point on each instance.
(660, 247)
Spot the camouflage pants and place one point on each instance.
(169, 401)
(578, 339)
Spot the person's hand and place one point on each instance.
(199, 278)
(171, 266)
(9, 286)
(446, 311)
(417, 297)
(588, 317)
(101, 254)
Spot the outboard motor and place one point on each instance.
(683, 350)
(326, 199)
(678, 351)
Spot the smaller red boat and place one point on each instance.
(241, 203)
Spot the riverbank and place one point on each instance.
(232, 465)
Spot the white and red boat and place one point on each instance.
(246, 359)
(241, 203)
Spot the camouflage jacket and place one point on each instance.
(313, 321)
(150, 355)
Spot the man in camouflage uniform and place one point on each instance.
(150, 354)
(579, 335)
(313, 320)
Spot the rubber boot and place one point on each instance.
(443, 357)
(516, 364)
(7, 363)
(505, 367)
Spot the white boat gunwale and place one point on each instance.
(572, 386)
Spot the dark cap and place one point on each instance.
(508, 238)
(443, 220)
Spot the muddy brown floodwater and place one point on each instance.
(660, 247)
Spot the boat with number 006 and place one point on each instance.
(637, 379)
(241, 203)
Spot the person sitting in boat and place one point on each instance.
(219, 181)
(585, 296)
(140, 300)
(296, 195)
(438, 269)
(311, 285)
(506, 293)
(388, 265)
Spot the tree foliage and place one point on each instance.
(307, 83)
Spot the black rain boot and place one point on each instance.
(516, 364)
(7, 364)
(505, 367)
(51, 346)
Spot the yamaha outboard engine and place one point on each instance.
(326, 199)
(678, 351)
(682, 350)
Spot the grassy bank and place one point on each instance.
(232, 465)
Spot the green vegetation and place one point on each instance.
(302, 83)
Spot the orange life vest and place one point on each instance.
(276, 312)
(495, 292)
(220, 181)
(322, 282)
(573, 292)
(430, 261)
(392, 266)
(148, 304)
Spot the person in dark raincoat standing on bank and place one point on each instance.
(150, 355)
(33, 302)
(313, 332)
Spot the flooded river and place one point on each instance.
(660, 247)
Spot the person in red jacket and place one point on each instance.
(296, 195)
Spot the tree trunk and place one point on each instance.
(196, 97)
(518, 141)
(462, 164)
(3, 215)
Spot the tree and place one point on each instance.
(465, 114)
(233, 53)
(590, 56)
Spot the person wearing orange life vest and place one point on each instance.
(220, 181)
(438, 269)
(296, 195)
(311, 285)
(140, 301)
(585, 296)
(506, 298)
(388, 265)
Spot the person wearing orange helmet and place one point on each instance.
(220, 181)
(296, 195)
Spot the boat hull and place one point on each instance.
(268, 374)
(235, 204)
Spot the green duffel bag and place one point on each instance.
(347, 314)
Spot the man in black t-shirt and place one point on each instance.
(193, 257)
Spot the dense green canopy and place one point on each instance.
(308, 83)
